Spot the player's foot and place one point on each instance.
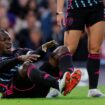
(53, 93)
(74, 80)
(95, 93)
(64, 81)
(66, 84)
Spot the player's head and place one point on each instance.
(5, 42)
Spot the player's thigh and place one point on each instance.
(74, 27)
(71, 39)
(96, 33)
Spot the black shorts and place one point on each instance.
(76, 19)
(24, 88)
(104, 13)
(35, 92)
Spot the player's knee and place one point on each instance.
(72, 50)
(94, 49)
(24, 69)
(59, 51)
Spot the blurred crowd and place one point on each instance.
(30, 22)
(33, 22)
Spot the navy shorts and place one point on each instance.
(77, 19)
(24, 88)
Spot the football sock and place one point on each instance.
(50, 69)
(93, 67)
(65, 63)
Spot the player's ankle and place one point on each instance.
(93, 89)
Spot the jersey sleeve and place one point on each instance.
(8, 63)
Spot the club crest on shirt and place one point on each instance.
(69, 21)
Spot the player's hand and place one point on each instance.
(60, 20)
(29, 58)
(48, 45)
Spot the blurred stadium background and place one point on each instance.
(33, 22)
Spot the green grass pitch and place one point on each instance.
(77, 97)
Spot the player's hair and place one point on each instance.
(3, 32)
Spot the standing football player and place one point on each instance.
(81, 13)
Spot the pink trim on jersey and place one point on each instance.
(46, 76)
(20, 90)
(3, 85)
(9, 92)
(71, 1)
(70, 4)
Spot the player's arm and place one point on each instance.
(9, 63)
(60, 6)
(60, 15)
(43, 49)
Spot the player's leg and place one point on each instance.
(61, 59)
(71, 40)
(43, 78)
(95, 38)
(74, 80)
(59, 62)
(74, 27)
(93, 66)
(54, 70)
